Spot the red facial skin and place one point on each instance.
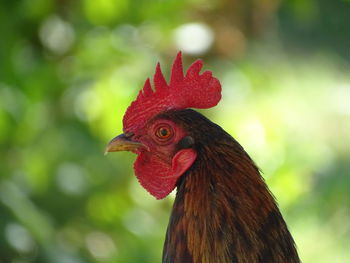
(159, 165)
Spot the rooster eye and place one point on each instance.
(164, 132)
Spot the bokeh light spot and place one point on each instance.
(19, 238)
(194, 38)
(56, 35)
(71, 179)
(100, 245)
(104, 11)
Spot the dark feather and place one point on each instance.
(223, 211)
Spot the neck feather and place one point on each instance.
(224, 212)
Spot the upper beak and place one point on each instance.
(122, 143)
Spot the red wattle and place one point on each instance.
(159, 177)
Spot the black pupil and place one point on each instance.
(163, 132)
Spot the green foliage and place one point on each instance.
(68, 71)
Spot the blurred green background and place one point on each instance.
(69, 69)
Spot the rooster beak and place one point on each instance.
(122, 143)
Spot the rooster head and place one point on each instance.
(165, 148)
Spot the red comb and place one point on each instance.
(194, 90)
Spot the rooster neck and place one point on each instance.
(223, 212)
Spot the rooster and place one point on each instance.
(223, 211)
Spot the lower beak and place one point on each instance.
(122, 143)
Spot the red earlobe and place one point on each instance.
(182, 161)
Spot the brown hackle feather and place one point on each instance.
(223, 211)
